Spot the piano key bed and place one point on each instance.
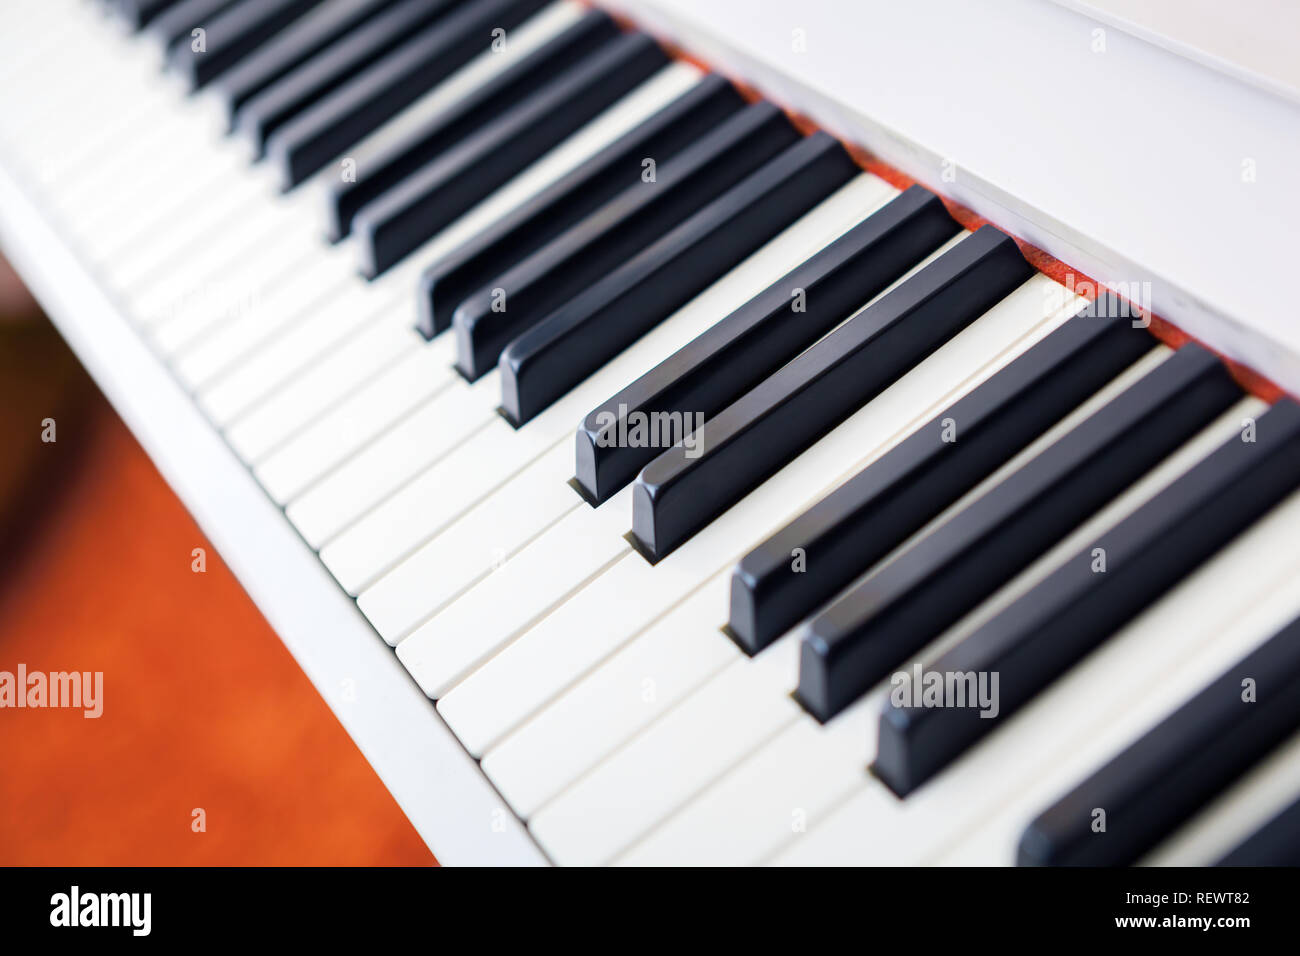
(651, 475)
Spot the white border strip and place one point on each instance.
(436, 783)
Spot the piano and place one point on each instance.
(673, 432)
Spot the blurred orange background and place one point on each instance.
(203, 706)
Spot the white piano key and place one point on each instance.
(142, 150)
(449, 645)
(96, 111)
(293, 352)
(234, 275)
(414, 514)
(66, 95)
(168, 146)
(61, 44)
(126, 83)
(160, 193)
(57, 151)
(603, 617)
(304, 341)
(666, 764)
(474, 471)
(201, 213)
(78, 40)
(343, 430)
(234, 292)
(478, 543)
(25, 127)
(818, 847)
(160, 139)
(92, 202)
(219, 228)
(135, 114)
(334, 375)
(128, 165)
(306, 289)
(638, 684)
(769, 799)
(29, 43)
(538, 666)
(422, 437)
(121, 67)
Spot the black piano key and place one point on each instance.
(232, 35)
(489, 319)
(873, 513)
(429, 200)
(435, 136)
(683, 489)
(340, 119)
(333, 66)
(902, 606)
(586, 332)
(1177, 767)
(737, 353)
(293, 46)
(138, 14)
(446, 283)
(177, 23)
(1276, 843)
(1075, 609)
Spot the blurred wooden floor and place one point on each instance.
(203, 706)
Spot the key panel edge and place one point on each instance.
(436, 783)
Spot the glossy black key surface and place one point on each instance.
(1075, 608)
(684, 489)
(289, 49)
(586, 332)
(1276, 843)
(524, 230)
(429, 200)
(487, 321)
(178, 22)
(377, 174)
(900, 607)
(325, 129)
(1177, 767)
(232, 35)
(751, 343)
(335, 65)
(873, 513)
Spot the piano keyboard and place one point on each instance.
(655, 439)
